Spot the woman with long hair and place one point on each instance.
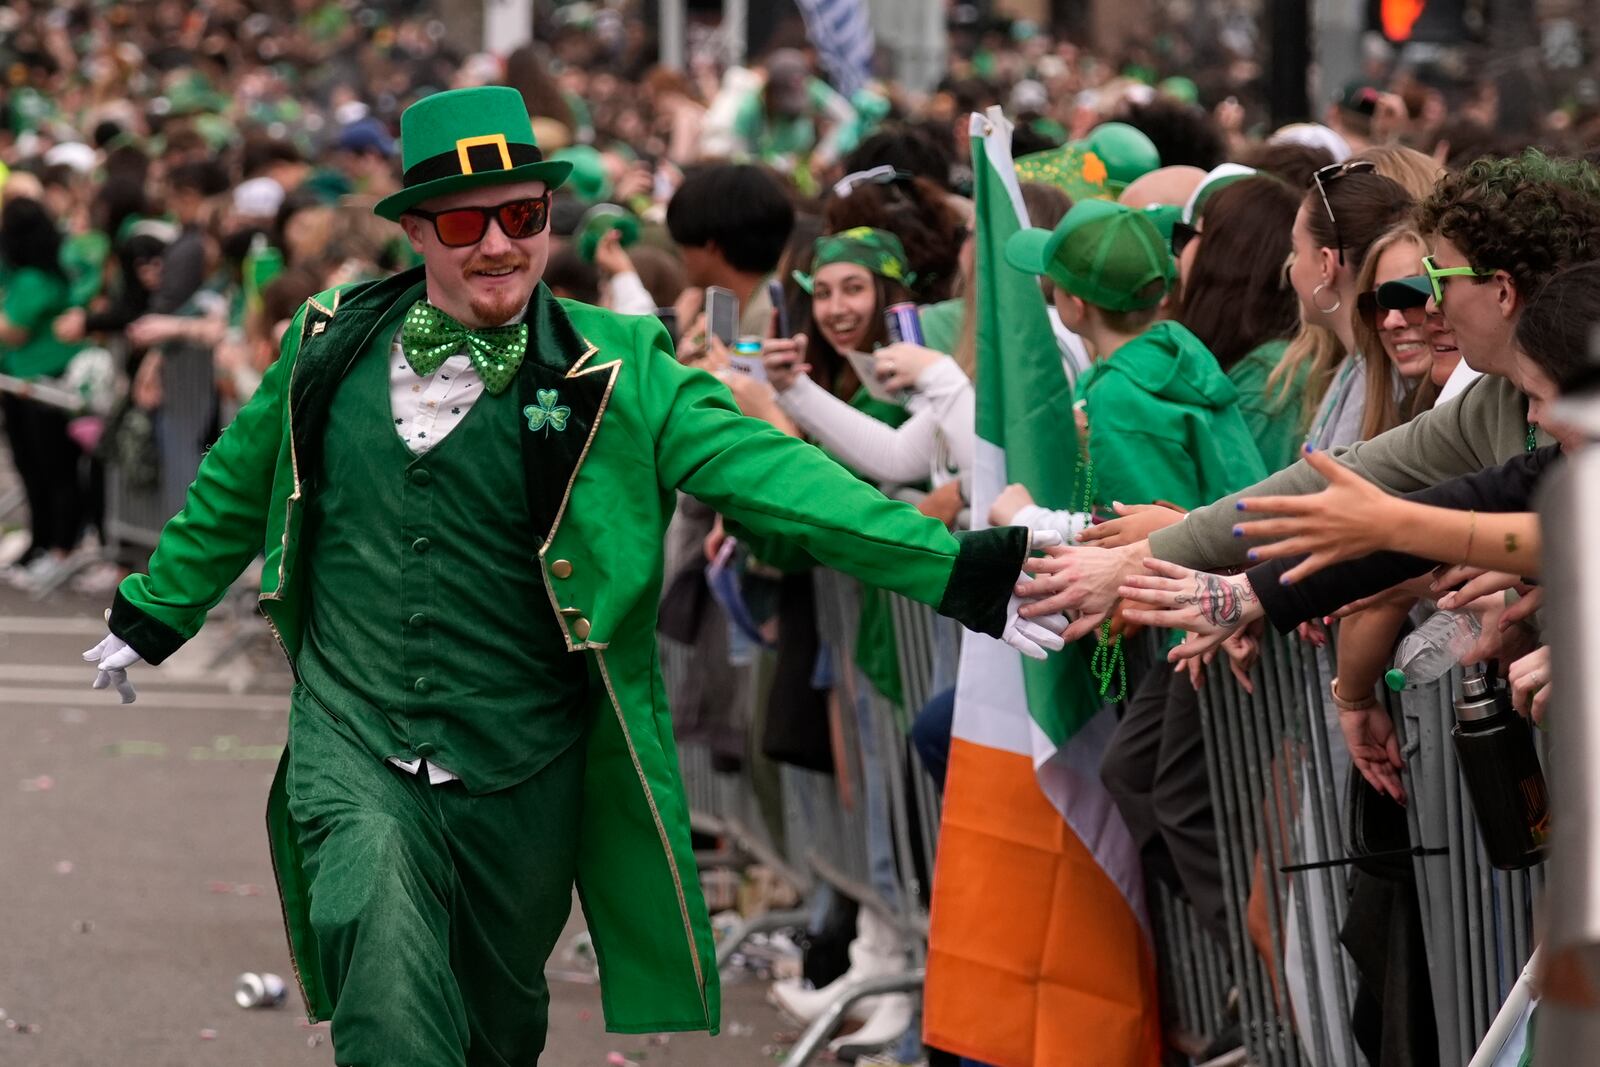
(34, 291)
(1410, 351)
(1235, 298)
(1347, 208)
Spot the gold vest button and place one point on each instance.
(561, 569)
(581, 629)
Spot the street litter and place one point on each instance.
(263, 990)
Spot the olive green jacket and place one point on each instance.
(641, 426)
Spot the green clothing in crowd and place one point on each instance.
(32, 300)
(1164, 423)
(771, 137)
(1272, 413)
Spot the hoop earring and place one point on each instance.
(1337, 300)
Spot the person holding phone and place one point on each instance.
(432, 469)
(855, 276)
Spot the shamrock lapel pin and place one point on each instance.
(547, 415)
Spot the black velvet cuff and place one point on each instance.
(986, 571)
(147, 635)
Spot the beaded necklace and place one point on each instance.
(1109, 661)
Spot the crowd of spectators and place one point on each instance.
(1402, 282)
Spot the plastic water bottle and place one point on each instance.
(1429, 651)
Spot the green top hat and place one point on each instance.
(464, 138)
(1102, 252)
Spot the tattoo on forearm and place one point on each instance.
(1511, 542)
(1219, 601)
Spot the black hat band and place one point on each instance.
(473, 156)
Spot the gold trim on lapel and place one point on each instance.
(577, 370)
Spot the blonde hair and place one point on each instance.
(1411, 170)
(1383, 410)
(1317, 348)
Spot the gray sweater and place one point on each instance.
(1484, 426)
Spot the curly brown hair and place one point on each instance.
(921, 215)
(1530, 215)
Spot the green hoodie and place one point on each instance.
(1164, 423)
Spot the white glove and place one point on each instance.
(112, 657)
(1034, 638)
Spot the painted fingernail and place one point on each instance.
(1238, 531)
(1238, 505)
(1251, 555)
(1283, 579)
(1308, 448)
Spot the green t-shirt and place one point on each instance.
(941, 324)
(32, 300)
(1271, 412)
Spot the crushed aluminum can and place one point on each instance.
(263, 990)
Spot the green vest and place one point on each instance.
(430, 632)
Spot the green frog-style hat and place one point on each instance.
(464, 138)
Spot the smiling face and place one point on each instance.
(1403, 333)
(487, 283)
(844, 302)
(1482, 312)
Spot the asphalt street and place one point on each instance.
(135, 883)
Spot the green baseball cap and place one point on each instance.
(465, 138)
(589, 181)
(1165, 217)
(1217, 179)
(1105, 253)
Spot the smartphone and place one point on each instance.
(780, 310)
(722, 314)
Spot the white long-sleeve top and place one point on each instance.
(936, 443)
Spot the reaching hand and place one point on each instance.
(112, 657)
(1137, 523)
(1374, 748)
(1035, 636)
(1209, 606)
(610, 256)
(1483, 584)
(1082, 580)
(1530, 683)
(1341, 522)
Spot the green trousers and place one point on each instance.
(433, 911)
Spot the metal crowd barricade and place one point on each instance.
(1477, 921)
(823, 827)
(1277, 765)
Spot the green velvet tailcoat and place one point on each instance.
(641, 426)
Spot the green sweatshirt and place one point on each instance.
(1164, 423)
(1271, 412)
(1484, 426)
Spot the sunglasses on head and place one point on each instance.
(462, 226)
(1322, 177)
(1182, 234)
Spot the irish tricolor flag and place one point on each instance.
(1039, 952)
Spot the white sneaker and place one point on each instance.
(890, 1019)
(878, 950)
(36, 573)
(13, 546)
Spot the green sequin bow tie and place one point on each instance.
(428, 337)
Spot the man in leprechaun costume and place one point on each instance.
(461, 486)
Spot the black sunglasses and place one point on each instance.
(1322, 177)
(1182, 234)
(462, 226)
